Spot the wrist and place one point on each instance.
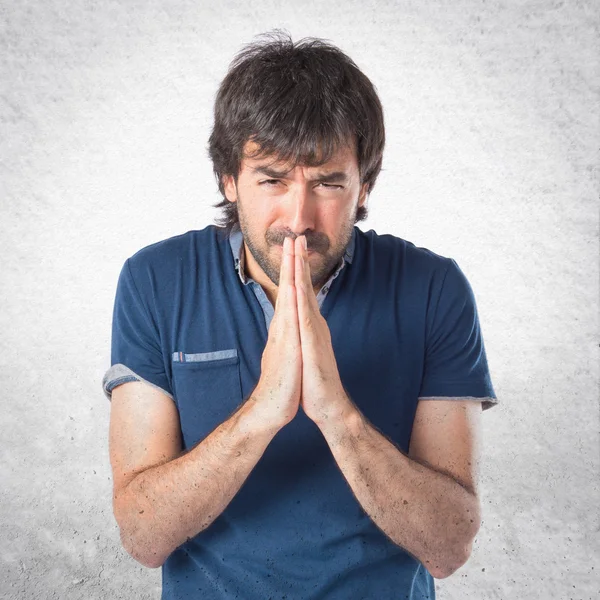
(344, 418)
(252, 419)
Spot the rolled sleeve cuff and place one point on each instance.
(487, 402)
(118, 374)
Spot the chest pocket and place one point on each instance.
(207, 390)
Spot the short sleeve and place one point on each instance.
(135, 343)
(455, 359)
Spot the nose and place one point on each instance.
(302, 210)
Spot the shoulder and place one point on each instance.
(173, 246)
(175, 252)
(412, 260)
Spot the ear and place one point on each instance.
(230, 188)
(362, 196)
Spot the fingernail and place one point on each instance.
(304, 241)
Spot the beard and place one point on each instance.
(323, 262)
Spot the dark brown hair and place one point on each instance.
(297, 102)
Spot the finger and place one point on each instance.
(300, 285)
(286, 272)
(286, 275)
(305, 276)
(300, 281)
(306, 300)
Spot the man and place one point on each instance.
(296, 403)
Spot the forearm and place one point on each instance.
(426, 512)
(166, 505)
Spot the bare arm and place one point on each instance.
(426, 502)
(161, 496)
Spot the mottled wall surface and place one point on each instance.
(492, 159)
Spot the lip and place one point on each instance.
(280, 249)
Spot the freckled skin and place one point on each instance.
(184, 496)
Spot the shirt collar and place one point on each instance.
(236, 240)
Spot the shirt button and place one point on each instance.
(325, 290)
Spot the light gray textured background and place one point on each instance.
(492, 122)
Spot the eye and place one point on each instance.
(269, 182)
(331, 186)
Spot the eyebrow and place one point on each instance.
(339, 176)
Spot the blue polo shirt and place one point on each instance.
(404, 326)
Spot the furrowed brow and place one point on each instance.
(335, 177)
(270, 172)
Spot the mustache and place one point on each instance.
(314, 242)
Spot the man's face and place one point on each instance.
(278, 200)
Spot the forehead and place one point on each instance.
(343, 158)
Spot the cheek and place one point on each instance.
(338, 210)
(262, 218)
(256, 207)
